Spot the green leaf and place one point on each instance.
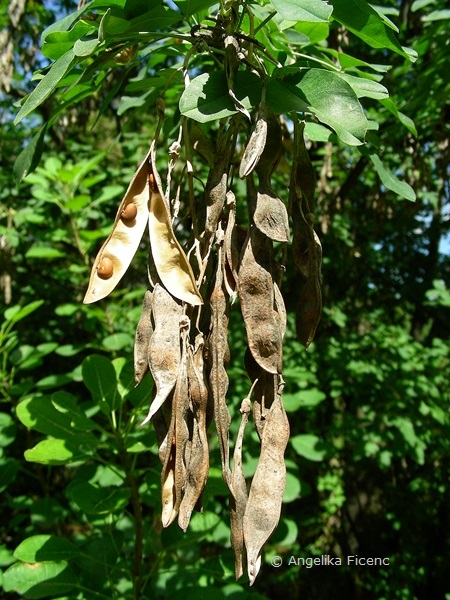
(58, 452)
(100, 378)
(437, 15)
(95, 500)
(40, 414)
(30, 156)
(85, 47)
(303, 10)
(365, 88)
(190, 7)
(38, 548)
(9, 467)
(118, 341)
(7, 430)
(303, 398)
(317, 132)
(309, 446)
(391, 181)
(40, 251)
(292, 488)
(17, 313)
(39, 580)
(365, 22)
(46, 86)
(207, 99)
(325, 94)
(404, 119)
(52, 381)
(334, 103)
(154, 20)
(58, 43)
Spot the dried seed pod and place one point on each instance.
(164, 354)
(180, 409)
(306, 247)
(271, 216)
(170, 260)
(256, 293)
(216, 185)
(303, 174)
(173, 475)
(168, 489)
(238, 499)
(201, 143)
(122, 243)
(309, 307)
(266, 491)
(264, 147)
(144, 331)
(161, 423)
(280, 308)
(218, 351)
(255, 146)
(198, 465)
(264, 391)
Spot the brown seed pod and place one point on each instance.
(164, 352)
(263, 508)
(218, 356)
(144, 331)
(238, 499)
(198, 463)
(257, 296)
(105, 268)
(129, 212)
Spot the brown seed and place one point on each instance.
(152, 183)
(105, 268)
(129, 212)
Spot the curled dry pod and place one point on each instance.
(238, 499)
(170, 260)
(266, 492)
(306, 247)
(309, 307)
(180, 409)
(271, 216)
(255, 146)
(198, 466)
(144, 331)
(218, 350)
(256, 293)
(122, 243)
(264, 391)
(216, 186)
(164, 353)
(173, 472)
(303, 174)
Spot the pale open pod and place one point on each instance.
(118, 251)
(170, 260)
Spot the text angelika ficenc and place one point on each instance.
(332, 561)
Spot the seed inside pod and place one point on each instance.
(129, 212)
(105, 268)
(152, 183)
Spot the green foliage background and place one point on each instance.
(369, 457)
